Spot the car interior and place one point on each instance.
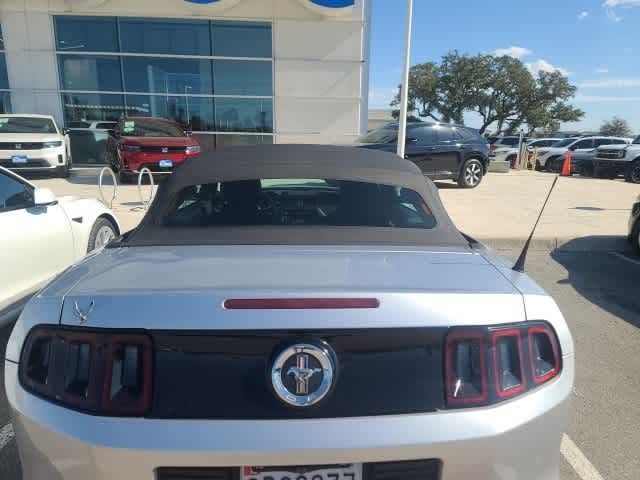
(306, 202)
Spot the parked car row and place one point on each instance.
(35, 143)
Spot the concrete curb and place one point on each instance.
(549, 244)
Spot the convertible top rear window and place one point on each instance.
(298, 202)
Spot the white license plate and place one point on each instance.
(337, 472)
(166, 163)
(19, 159)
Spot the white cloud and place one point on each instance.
(612, 83)
(601, 70)
(613, 16)
(582, 15)
(515, 52)
(621, 3)
(604, 99)
(541, 65)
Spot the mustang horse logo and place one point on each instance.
(302, 373)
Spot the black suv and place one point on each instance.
(441, 151)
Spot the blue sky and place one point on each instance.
(596, 42)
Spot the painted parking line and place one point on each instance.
(625, 258)
(6, 435)
(581, 464)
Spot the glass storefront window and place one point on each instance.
(238, 77)
(90, 72)
(233, 140)
(5, 102)
(4, 80)
(89, 34)
(194, 111)
(88, 107)
(244, 115)
(241, 39)
(171, 37)
(167, 75)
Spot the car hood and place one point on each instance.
(185, 287)
(30, 137)
(615, 147)
(160, 141)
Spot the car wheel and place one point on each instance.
(512, 161)
(598, 172)
(102, 232)
(62, 172)
(635, 237)
(633, 174)
(471, 173)
(538, 166)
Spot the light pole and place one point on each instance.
(186, 89)
(404, 85)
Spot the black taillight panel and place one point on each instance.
(96, 371)
(487, 365)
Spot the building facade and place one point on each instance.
(237, 71)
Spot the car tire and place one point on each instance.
(538, 166)
(102, 232)
(62, 172)
(632, 175)
(471, 173)
(635, 237)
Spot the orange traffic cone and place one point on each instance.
(566, 166)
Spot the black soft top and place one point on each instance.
(294, 161)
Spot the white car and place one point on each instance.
(575, 144)
(41, 235)
(509, 153)
(34, 143)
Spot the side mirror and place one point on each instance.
(43, 197)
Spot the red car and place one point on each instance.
(154, 143)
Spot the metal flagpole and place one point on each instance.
(404, 86)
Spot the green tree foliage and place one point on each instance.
(499, 89)
(616, 127)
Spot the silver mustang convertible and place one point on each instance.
(291, 313)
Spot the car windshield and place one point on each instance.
(26, 125)
(150, 128)
(299, 202)
(381, 135)
(564, 143)
(637, 140)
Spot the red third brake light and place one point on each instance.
(486, 365)
(299, 303)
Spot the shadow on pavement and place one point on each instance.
(445, 184)
(602, 277)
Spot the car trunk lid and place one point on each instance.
(185, 288)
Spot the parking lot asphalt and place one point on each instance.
(598, 294)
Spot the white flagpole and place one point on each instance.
(404, 88)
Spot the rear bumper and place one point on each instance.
(618, 166)
(517, 439)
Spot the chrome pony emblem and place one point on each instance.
(83, 316)
(303, 374)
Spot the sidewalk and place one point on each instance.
(582, 214)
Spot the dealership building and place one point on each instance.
(237, 71)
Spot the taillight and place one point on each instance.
(486, 365)
(104, 373)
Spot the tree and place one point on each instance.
(499, 89)
(616, 127)
(423, 99)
